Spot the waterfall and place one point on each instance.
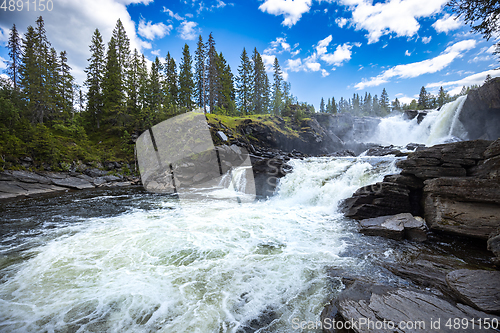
(437, 127)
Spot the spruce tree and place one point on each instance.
(442, 97)
(212, 73)
(155, 88)
(133, 85)
(244, 82)
(200, 76)
(15, 54)
(277, 101)
(171, 82)
(66, 81)
(42, 47)
(259, 84)
(94, 81)
(112, 86)
(54, 103)
(384, 103)
(28, 72)
(334, 106)
(322, 106)
(186, 82)
(423, 99)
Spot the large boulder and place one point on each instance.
(480, 113)
(463, 206)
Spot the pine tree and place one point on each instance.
(396, 105)
(133, 85)
(15, 54)
(112, 86)
(155, 87)
(334, 106)
(384, 103)
(142, 74)
(259, 84)
(200, 76)
(186, 83)
(94, 80)
(322, 106)
(212, 73)
(225, 91)
(244, 82)
(28, 72)
(423, 99)
(42, 46)
(376, 105)
(53, 104)
(65, 84)
(277, 102)
(171, 88)
(442, 97)
(122, 44)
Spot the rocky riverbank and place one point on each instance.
(449, 190)
(22, 184)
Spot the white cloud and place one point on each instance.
(172, 14)
(313, 65)
(324, 73)
(4, 35)
(188, 31)
(292, 10)
(71, 24)
(423, 67)
(447, 23)
(341, 21)
(321, 48)
(278, 46)
(456, 86)
(294, 65)
(156, 53)
(268, 61)
(393, 16)
(151, 31)
(342, 53)
(3, 64)
(407, 53)
(426, 40)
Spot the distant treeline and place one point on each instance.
(380, 106)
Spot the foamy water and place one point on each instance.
(437, 127)
(202, 264)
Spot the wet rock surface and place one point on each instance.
(395, 227)
(15, 184)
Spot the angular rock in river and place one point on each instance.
(395, 227)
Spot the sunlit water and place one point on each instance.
(128, 261)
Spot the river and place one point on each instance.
(125, 260)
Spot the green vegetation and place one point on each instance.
(47, 118)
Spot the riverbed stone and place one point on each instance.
(477, 288)
(371, 303)
(396, 227)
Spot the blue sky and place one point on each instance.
(326, 48)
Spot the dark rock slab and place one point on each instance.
(395, 227)
(477, 288)
(410, 181)
(494, 244)
(488, 169)
(376, 200)
(73, 182)
(492, 150)
(385, 226)
(29, 177)
(370, 303)
(465, 189)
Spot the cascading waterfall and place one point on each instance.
(437, 127)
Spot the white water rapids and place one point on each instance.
(437, 127)
(130, 261)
